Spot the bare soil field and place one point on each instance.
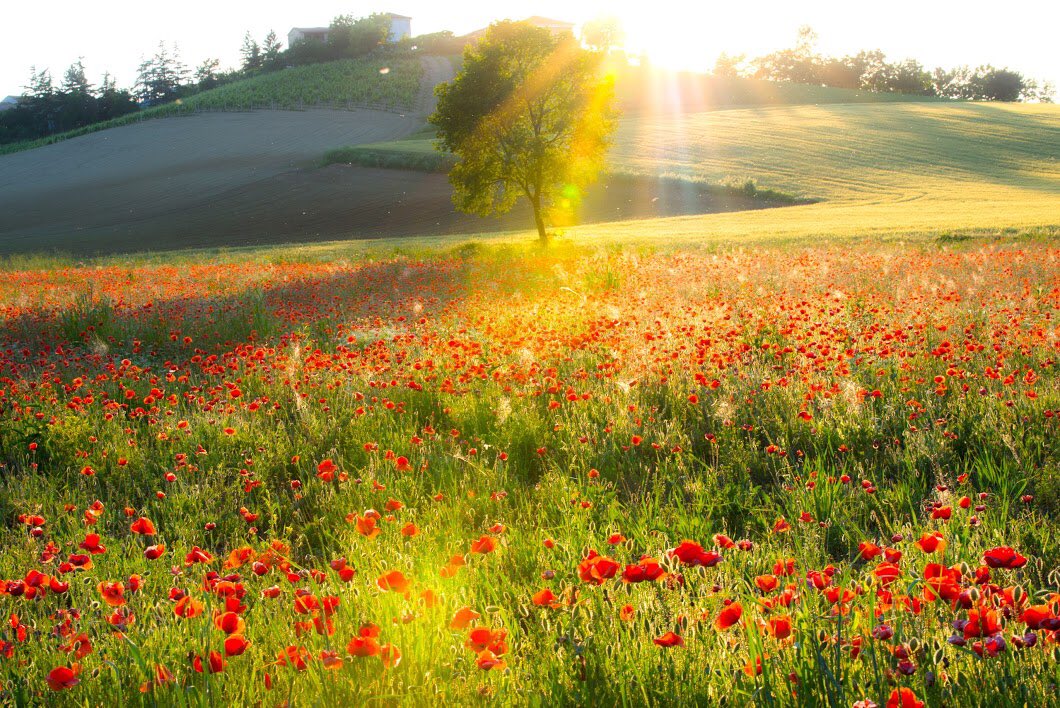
(250, 178)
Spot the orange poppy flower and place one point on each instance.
(113, 593)
(931, 542)
(394, 581)
(767, 583)
(187, 607)
(543, 598)
(484, 544)
(463, 617)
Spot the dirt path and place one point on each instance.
(436, 70)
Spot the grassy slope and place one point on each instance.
(356, 82)
(878, 167)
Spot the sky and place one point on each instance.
(113, 35)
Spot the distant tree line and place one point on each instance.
(871, 71)
(46, 108)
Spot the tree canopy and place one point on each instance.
(529, 115)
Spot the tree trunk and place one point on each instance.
(539, 220)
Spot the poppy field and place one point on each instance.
(809, 474)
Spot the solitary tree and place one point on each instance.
(529, 115)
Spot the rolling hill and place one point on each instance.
(234, 179)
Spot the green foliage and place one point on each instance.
(353, 81)
(354, 37)
(417, 155)
(528, 115)
(871, 71)
(44, 109)
(160, 78)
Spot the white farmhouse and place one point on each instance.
(400, 28)
(306, 34)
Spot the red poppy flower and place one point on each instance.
(235, 645)
(669, 640)
(63, 677)
(691, 553)
(187, 607)
(869, 550)
(904, 698)
(543, 598)
(729, 616)
(215, 663)
(931, 542)
(647, 569)
(143, 526)
(596, 569)
(779, 627)
(1004, 557)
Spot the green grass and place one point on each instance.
(413, 153)
(878, 168)
(928, 274)
(323, 344)
(350, 83)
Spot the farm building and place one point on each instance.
(307, 34)
(553, 26)
(400, 28)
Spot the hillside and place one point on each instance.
(165, 183)
(877, 167)
(387, 83)
(873, 166)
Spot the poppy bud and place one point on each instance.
(1017, 594)
(973, 594)
(966, 570)
(822, 636)
(914, 645)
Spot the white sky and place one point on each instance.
(114, 34)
